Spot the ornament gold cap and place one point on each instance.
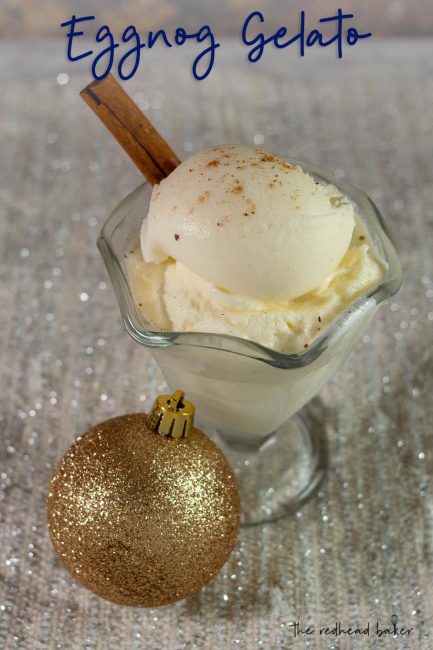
(172, 415)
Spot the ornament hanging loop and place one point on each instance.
(172, 415)
(175, 401)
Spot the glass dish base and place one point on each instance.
(277, 476)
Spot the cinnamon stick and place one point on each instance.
(131, 128)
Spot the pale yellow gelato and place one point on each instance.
(248, 222)
(274, 261)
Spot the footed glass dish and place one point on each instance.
(248, 395)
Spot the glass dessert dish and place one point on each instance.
(246, 394)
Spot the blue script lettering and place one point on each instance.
(130, 34)
(73, 34)
(104, 60)
(258, 40)
(102, 35)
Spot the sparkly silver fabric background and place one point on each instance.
(361, 550)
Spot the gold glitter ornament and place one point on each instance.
(140, 517)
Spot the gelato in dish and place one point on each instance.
(249, 223)
(238, 241)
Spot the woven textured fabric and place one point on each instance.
(359, 551)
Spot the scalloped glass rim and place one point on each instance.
(136, 325)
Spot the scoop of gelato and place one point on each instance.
(249, 223)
